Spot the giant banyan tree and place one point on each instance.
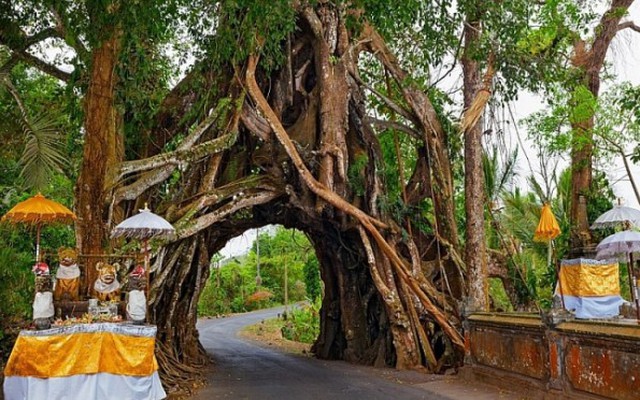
(297, 145)
(322, 116)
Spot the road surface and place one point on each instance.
(246, 370)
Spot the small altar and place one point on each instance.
(591, 288)
(84, 361)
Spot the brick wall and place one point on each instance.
(555, 360)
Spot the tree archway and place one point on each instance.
(294, 145)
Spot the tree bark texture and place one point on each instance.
(475, 199)
(102, 151)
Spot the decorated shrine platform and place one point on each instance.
(84, 361)
(590, 288)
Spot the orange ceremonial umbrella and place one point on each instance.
(548, 228)
(38, 210)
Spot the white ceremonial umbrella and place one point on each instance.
(618, 215)
(144, 226)
(619, 244)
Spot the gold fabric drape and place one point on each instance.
(82, 353)
(585, 280)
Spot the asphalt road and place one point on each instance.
(246, 370)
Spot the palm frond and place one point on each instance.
(508, 171)
(537, 189)
(498, 171)
(490, 168)
(43, 153)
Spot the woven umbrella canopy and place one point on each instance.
(39, 210)
(623, 244)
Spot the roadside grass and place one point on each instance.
(269, 333)
(294, 332)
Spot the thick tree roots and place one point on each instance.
(179, 378)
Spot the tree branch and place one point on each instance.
(605, 32)
(261, 196)
(69, 36)
(140, 185)
(155, 176)
(14, 92)
(390, 103)
(254, 122)
(629, 24)
(382, 124)
(19, 42)
(208, 198)
(181, 156)
(617, 148)
(43, 66)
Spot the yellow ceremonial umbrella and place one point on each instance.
(548, 228)
(38, 210)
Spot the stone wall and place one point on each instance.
(547, 360)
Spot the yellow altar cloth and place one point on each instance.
(588, 278)
(84, 361)
(82, 353)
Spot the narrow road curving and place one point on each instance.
(246, 370)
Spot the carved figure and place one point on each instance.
(43, 310)
(68, 276)
(136, 299)
(107, 287)
(40, 269)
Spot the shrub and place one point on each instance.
(16, 296)
(303, 324)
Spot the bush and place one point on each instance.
(303, 324)
(16, 296)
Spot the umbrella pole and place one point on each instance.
(146, 275)
(630, 274)
(38, 243)
(634, 286)
(557, 269)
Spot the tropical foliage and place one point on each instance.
(233, 284)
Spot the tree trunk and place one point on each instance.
(354, 323)
(474, 199)
(102, 150)
(588, 62)
(175, 312)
